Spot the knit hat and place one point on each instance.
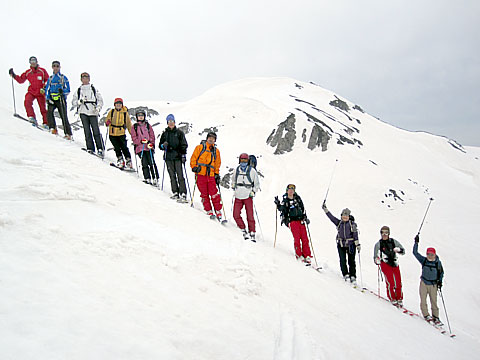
(118, 100)
(170, 117)
(346, 212)
(431, 251)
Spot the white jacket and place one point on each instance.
(242, 186)
(87, 95)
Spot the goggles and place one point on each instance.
(291, 186)
(385, 232)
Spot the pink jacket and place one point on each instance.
(140, 130)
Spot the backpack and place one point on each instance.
(124, 126)
(204, 143)
(252, 163)
(135, 126)
(94, 95)
(437, 266)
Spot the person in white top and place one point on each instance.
(246, 184)
(89, 102)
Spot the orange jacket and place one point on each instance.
(209, 163)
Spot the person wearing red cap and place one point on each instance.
(37, 77)
(385, 255)
(430, 281)
(118, 120)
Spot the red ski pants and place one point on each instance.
(237, 208)
(300, 238)
(393, 281)
(29, 98)
(208, 190)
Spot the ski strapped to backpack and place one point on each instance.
(212, 158)
(252, 163)
(88, 102)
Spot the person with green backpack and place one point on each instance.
(246, 184)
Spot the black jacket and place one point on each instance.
(177, 143)
(292, 209)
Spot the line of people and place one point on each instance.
(205, 162)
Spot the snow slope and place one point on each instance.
(94, 264)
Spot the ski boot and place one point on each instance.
(245, 234)
(346, 277)
(437, 321)
(252, 236)
(175, 196)
(54, 131)
(100, 153)
(33, 121)
(219, 215)
(308, 260)
(128, 164)
(353, 281)
(210, 214)
(182, 198)
(120, 162)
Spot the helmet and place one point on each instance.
(170, 117)
(118, 100)
(140, 111)
(212, 134)
(242, 156)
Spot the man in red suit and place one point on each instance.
(37, 77)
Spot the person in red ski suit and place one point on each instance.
(37, 77)
(293, 215)
(385, 256)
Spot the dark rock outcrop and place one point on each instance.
(283, 142)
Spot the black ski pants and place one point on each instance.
(62, 111)
(120, 146)
(343, 253)
(148, 165)
(177, 181)
(90, 124)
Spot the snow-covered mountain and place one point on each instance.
(94, 264)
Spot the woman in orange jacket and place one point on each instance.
(205, 163)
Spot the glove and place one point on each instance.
(439, 285)
(11, 73)
(50, 101)
(107, 123)
(324, 207)
(42, 91)
(217, 179)
(397, 249)
(81, 101)
(357, 244)
(377, 260)
(60, 91)
(144, 141)
(196, 169)
(307, 220)
(276, 201)
(417, 239)
(184, 159)
(252, 194)
(150, 146)
(164, 145)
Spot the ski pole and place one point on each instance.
(186, 178)
(221, 200)
(360, 268)
(164, 161)
(233, 197)
(276, 227)
(135, 155)
(428, 207)
(311, 245)
(378, 279)
(154, 169)
(194, 187)
(14, 104)
(258, 219)
(331, 178)
(444, 308)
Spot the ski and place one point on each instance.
(122, 168)
(34, 124)
(92, 153)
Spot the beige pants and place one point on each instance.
(430, 290)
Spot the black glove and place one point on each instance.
(439, 285)
(60, 91)
(417, 239)
(12, 74)
(276, 201)
(217, 179)
(184, 159)
(81, 101)
(196, 169)
(307, 220)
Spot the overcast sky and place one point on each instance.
(413, 64)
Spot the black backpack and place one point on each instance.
(135, 126)
(94, 94)
(124, 126)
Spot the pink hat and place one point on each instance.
(431, 251)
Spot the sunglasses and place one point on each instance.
(56, 65)
(384, 232)
(85, 76)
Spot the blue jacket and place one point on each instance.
(56, 82)
(432, 271)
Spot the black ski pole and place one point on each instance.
(331, 178)
(221, 200)
(164, 161)
(444, 308)
(360, 268)
(186, 178)
(428, 207)
(154, 168)
(311, 245)
(194, 187)
(14, 104)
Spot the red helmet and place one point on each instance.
(243, 156)
(118, 100)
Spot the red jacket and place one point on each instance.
(36, 76)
